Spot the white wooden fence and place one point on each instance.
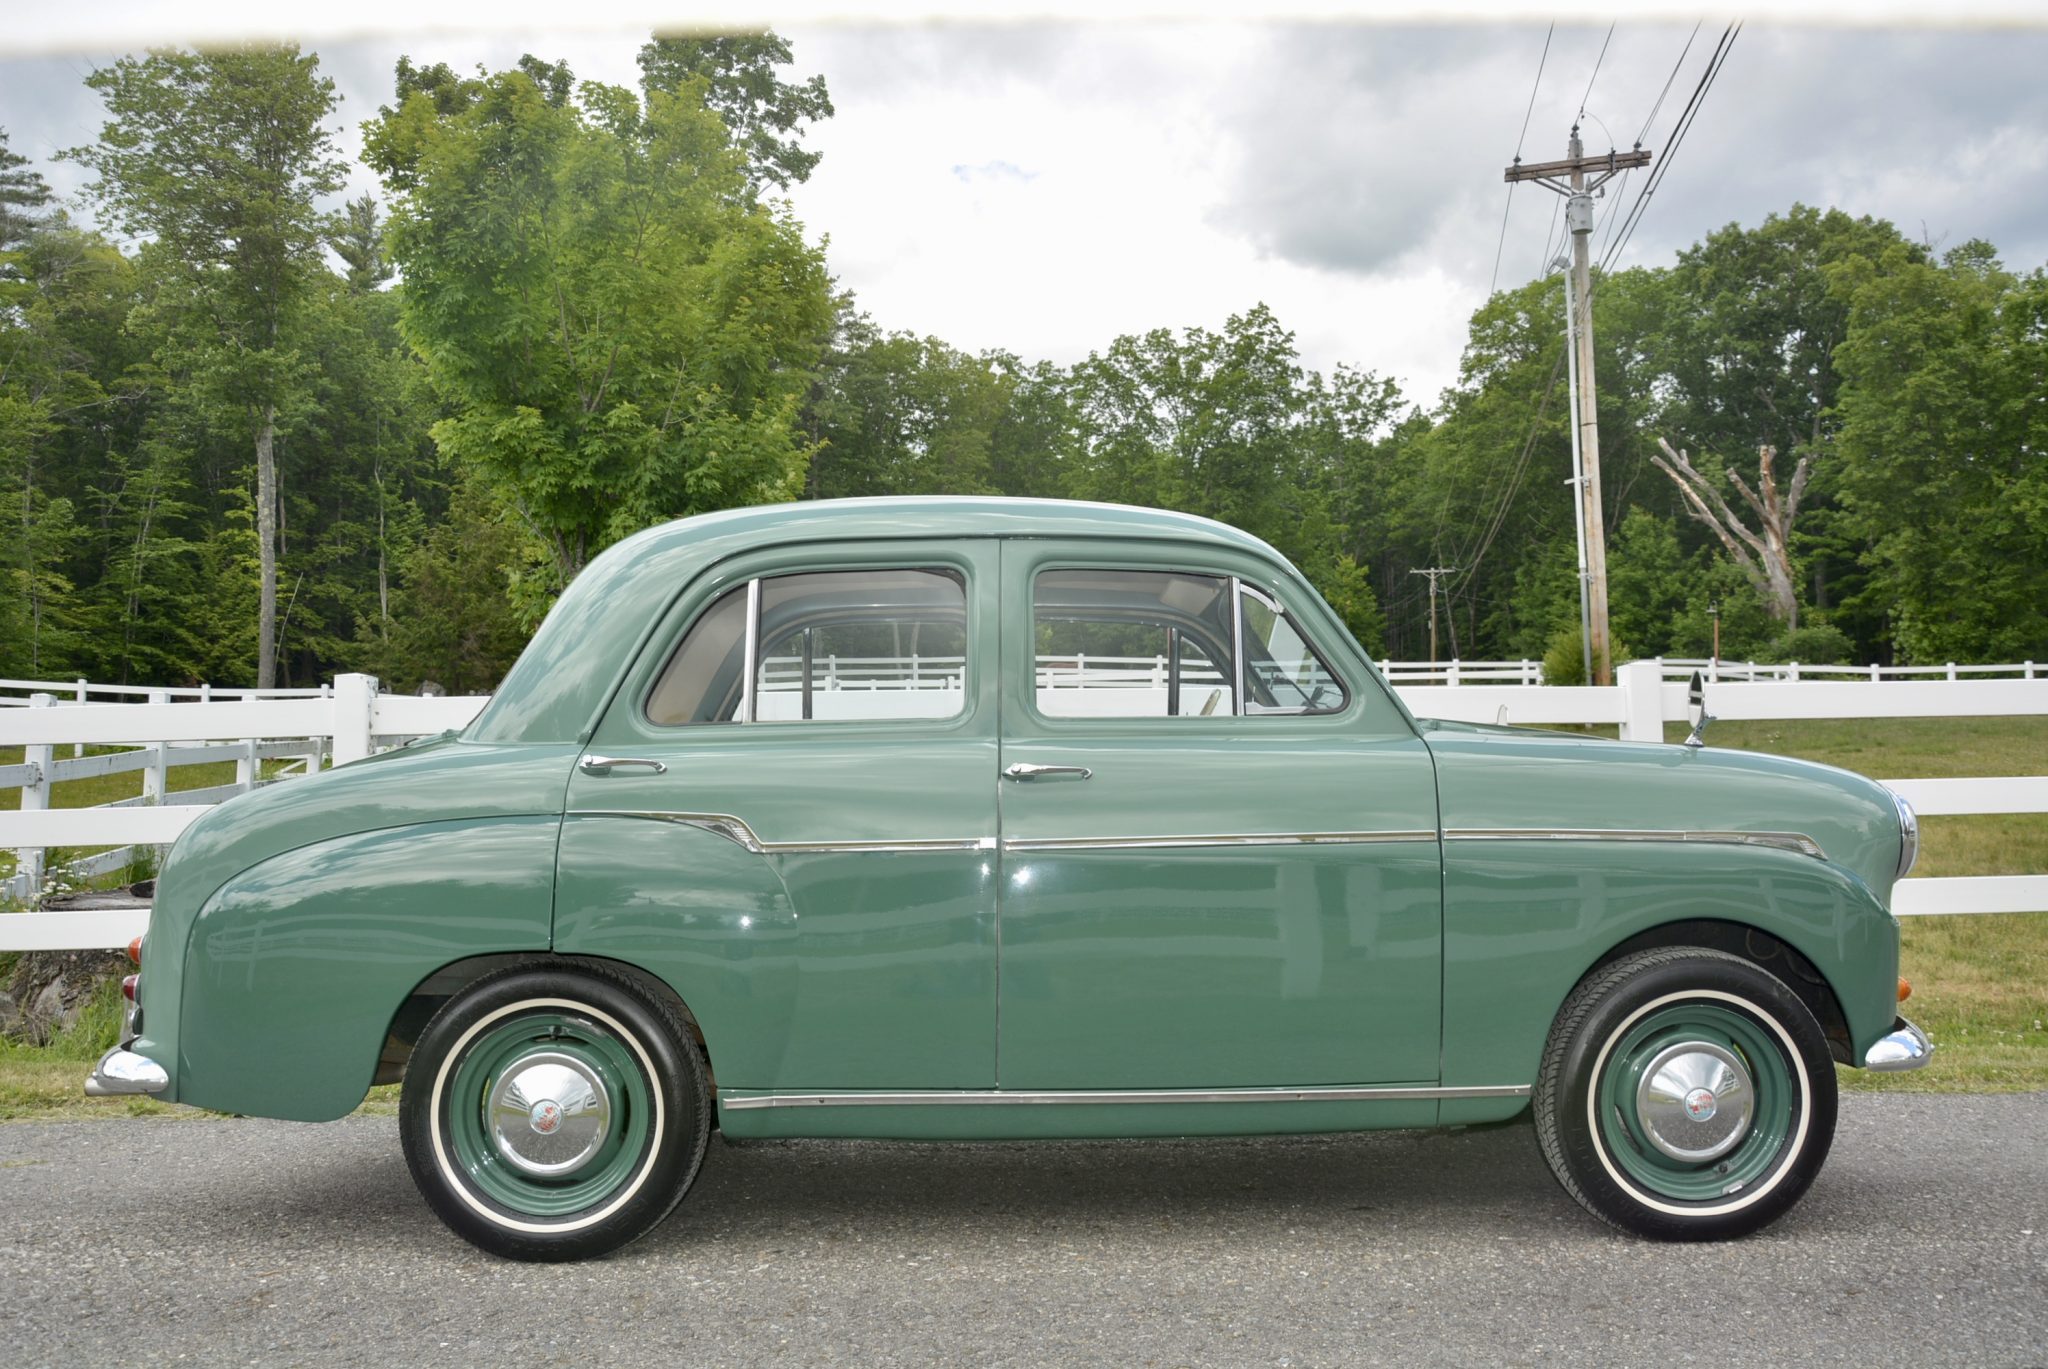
(352, 719)
(1681, 668)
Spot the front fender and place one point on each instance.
(1524, 920)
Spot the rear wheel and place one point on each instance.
(552, 1114)
(1685, 1094)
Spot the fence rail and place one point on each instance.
(350, 719)
(1716, 671)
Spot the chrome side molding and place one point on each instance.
(1787, 841)
(736, 830)
(1215, 839)
(1112, 1097)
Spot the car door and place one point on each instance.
(787, 813)
(1219, 835)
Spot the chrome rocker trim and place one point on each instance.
(984, 1097)
(1906, 1048)
(1788, 841)
(124, 1072)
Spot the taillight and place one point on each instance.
(128, 987)
(135, 951)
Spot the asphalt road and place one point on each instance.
(1925, 1242)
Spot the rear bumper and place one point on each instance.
(124, 1072)
(1906, 1047)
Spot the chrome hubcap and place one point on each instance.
(1695, 1101)
(549, 1114)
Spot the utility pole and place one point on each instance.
(1435, 573)
(1578, 215)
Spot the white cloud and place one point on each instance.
(1043, 188)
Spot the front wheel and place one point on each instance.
(554, 1114)
(1685, 1094)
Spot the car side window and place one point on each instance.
(1283, 672)
(869, 644)
(1133, 644)
(1164, 644)
(702, 681)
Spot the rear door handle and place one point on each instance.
(602, 765)
(1023, 771)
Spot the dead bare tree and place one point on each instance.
(1766, 554)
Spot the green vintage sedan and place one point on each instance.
(985, 818)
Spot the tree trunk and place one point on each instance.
(266, 550)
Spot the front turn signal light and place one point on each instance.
(1905, 989)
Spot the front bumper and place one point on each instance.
(122, 1071)
(1906, 1047)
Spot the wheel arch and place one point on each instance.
(412, 1014)
(1771, 954)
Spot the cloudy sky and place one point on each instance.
(1045, 187)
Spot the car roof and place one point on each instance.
(947, 516)
(557, 686)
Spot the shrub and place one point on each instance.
(1816, 645)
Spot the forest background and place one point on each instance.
(249, 438)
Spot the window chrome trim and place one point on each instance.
(736, 830)
(1237, 645)
(751, 652)
(1216, 839)
(1112, 1097)
(1788, 841)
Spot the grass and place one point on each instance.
(1980, 983)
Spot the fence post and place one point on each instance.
(78, 748)
(1951, 670)
(353, 696)
(1451, 675)
(156, 775)
(1642, 701)
(28, 861)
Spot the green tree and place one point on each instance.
(737, 75)
(898, 414)
(1227, 425)
(1944, 447)
(218, 157)
(358, 239)
(619, 334)
(452, 621)
(24, 206)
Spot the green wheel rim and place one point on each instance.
(1774, 1111)
(503, 1050)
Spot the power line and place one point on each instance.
(1685, 121)
(1645, 132)
(1535, 86)
(1594, 77)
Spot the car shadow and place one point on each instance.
(941, 1190)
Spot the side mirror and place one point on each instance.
(1696, 699)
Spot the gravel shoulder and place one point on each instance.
(1925, 1241)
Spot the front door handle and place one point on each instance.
(602, 765)
(1022, 771)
